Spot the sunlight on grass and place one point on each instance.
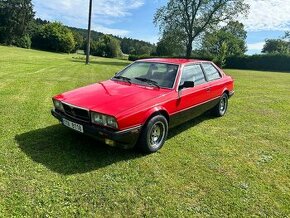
(237, 165)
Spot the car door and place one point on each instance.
(190, 101)
(213, 76)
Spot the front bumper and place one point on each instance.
(231, 93)
(125, 139)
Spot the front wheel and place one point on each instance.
(221, 108)
(154, 134)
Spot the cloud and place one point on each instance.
(256, 46)
(116, 32)
(75, 12)
(268, 15)
(116, 8)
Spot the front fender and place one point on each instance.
(154, 110)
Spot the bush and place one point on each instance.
(54, 37)
(107, 46)
(137, 57)
(23, 42)
(79, 40)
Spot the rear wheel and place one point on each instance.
(154, 134)
(221, 108)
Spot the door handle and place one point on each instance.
(208, 89)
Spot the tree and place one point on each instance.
(287, 36)
(114, 48)
(23, 42)
(54, 37)
(106, 46)
(170, 45)
(228, 41)
(79, 40)
(136, 47)
(15, 18)
(193, 17)
(276, 46)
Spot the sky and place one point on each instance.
(267, 19)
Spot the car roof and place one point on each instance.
(172, 60)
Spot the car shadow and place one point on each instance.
(109, 63)
(67, 152)
(189, 124)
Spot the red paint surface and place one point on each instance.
(133, 104)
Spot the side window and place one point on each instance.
(198, 75)
(192, 73)
(211, 72)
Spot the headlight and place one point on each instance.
(58, 105)
(104, 120)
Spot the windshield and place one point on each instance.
(156, 74)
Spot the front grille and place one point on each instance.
(75, 112)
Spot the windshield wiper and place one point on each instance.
(123, 78)
(149, 81)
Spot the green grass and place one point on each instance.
(238, 165)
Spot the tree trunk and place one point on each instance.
(189, 49)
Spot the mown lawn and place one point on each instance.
(238, 165)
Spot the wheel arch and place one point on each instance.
(226, 91)
(156, 111)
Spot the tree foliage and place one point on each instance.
(276, 46)
(287, 36)
(18, 27)
(106, 46)
(23, 41)
(227, 41)
(193, 17)
(136, 47)
(79, 40)
(15, 18)
(54, 37)
(170, 45)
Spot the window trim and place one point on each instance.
(192, 64)
(204, 72)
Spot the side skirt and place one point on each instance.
(190, 113)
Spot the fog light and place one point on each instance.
(110, 142)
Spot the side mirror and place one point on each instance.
(187, 84)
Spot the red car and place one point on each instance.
(140, 103)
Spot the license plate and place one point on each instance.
(73, 125)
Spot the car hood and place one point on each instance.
(111, 97)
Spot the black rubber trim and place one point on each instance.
(125, 138)
(231, 93)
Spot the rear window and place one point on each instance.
(211, 72)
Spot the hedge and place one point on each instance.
(268, 62)
(138, 57)
(274, 62)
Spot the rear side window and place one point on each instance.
(192, 73)
(211, 72)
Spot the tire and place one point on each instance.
(221, 108)
(153, 135)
